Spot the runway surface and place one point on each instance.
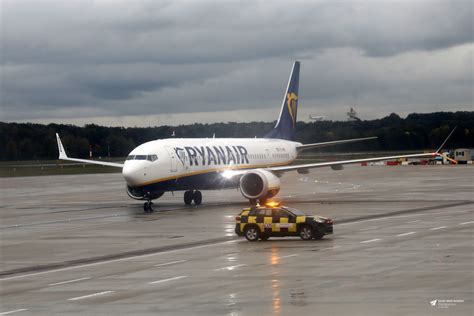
(78, 245)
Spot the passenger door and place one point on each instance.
(173, 160)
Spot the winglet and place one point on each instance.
(62, 152)
(442, 145)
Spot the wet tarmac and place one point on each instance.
(403, 238)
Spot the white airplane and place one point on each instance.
(252, 164)
(317, 118)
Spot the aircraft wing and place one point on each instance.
(337, 142)
(63, 156)
(336, 164)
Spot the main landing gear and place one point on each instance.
(148, 207)
(191, 195)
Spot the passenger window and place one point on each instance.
(268, 212)
(284, 214)
(131, 157)
(140, 157)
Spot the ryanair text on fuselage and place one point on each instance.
(217, 155)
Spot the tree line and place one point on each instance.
(27, 141)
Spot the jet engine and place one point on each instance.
(259, 184)
(140, 194)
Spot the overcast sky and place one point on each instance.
(146, 63)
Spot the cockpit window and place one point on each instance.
(143, 157)
(152, 157)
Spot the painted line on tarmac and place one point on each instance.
(231, 268)
(399, 214)
(14, 311)
(167, 280)
(331, 248)
(437, 228)
(70, 281)
(369, 228)
(370, 240)
(89, 296)
(375, 219)
(51, 270)
(169, 263)
(406, 234)
(289, 256)
(63, 221)
(465, 223)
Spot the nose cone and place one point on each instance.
(133, 172)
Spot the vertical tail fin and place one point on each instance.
(286, 124)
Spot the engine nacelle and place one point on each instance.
(259, 184)
(139, 194)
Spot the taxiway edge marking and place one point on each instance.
(90, 295)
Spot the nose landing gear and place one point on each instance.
(148, 205)
(190, 196)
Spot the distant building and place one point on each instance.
(462, 155)
(352, 116)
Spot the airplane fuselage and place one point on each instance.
(201, 163)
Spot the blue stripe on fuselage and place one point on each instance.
(204, 181)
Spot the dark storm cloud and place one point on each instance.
(122, 58)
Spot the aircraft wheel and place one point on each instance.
(253, 202)
(188, 197)
(150, 207)
(146, 207)
(197, 197)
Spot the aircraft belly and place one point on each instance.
(206, 181)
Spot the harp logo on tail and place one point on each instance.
(291, 100)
